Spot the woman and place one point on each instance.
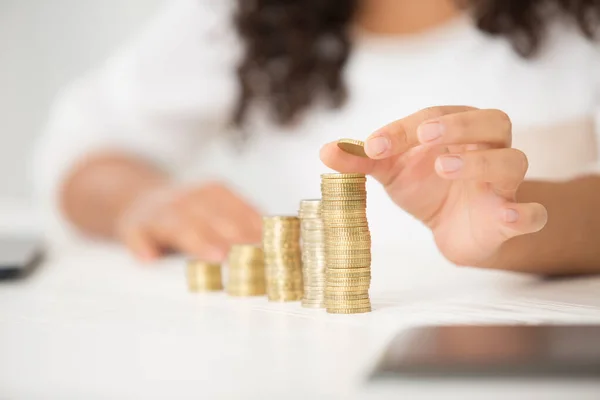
(242, 99)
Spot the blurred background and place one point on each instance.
(44, 44)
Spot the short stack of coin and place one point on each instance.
(283, 259)
(313, 253)
(347, 243)
(246, 271)
(203, 276)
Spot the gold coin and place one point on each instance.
(349, 310)
(341, 278)
(348, 281)
(343, 186)
(347, 271)
(329, 306)
(347, 263)
(333, 252)
(340, 208)
(354, 147)
(336, 259)
(335, 237)
(332, 255)
(335, 290)
(347, 230)
(344, 201)
(330, 194)
(346, 189)
(347, 246)
(359, 199)
(342, 176)
(342, 273)
(326, 203)
(355, 231)
(345, 206)
(354, 289)
(310, 204)
(203, 276)
(344, 297)
(343, 211)
(339, 241)
(342, 219)
(349, 298)
(330, 274)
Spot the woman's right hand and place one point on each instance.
(199, 221)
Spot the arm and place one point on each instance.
(113, 137)
(99, 190)
(569, 244)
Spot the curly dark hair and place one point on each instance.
(295, 50)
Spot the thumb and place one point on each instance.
(338, 160)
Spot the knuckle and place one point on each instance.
(523, 161)
(433, 112)
(482, 165)
(460, 123)
(503, 119)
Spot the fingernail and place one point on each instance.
(377, 145)
(450, 163)
(430, 131)
(511, 215)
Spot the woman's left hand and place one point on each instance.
(453, 168)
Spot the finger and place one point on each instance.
(222, 229)
(140, 244)
(173, 229)
(520, 219)
(338, 160)
(401, 135)
(202, 243)
(245, 219)
(233, 217)
(505, 169)
(491, 127)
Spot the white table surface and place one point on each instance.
(94, 324)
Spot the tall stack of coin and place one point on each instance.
(283, 260)
(313, 253)
(347, 243)
(203, 276)
(246, 271)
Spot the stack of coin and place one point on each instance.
(347, 243)
(203, 276)
(283, 260)
(313, 253)
(246, 271)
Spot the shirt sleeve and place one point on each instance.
(155, 98)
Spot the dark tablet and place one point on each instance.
(19, 256)
(493, 351)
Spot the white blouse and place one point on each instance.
(168, 96)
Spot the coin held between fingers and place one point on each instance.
(352, 146)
